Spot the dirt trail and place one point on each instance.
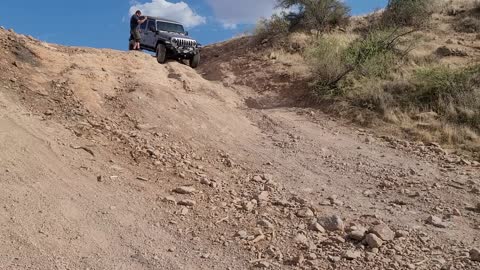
(111, 161)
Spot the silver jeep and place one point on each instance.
(168, 39)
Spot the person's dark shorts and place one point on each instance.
(135, 34)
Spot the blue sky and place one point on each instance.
(105, 23)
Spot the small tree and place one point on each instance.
(407, 13)
(319, 14)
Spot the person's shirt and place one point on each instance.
(134, 22)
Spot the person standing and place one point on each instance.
(135, 23)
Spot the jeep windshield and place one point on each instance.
(170, 27)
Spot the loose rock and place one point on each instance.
(437, 222)
(384, 232)
(301, 239)
(475, 254)
(242, 234)
(332, 223)
(305, 213)
(373, 240)
(314, 226)
(352, 255)
(187, 202)
(184, 190)
(265, 223)
(263, 196)
(357, 235)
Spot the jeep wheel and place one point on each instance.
(195, 61)
(161, 53)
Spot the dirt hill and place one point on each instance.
(112, 161)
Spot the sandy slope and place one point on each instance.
(93, 143)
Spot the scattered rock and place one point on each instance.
(334, 258)
(384, 232)
(184, 190)
(437, 222)
(262, 264)
(401, 234)
(257, 178)
(335, 201)
(332, 223)
(352, 255)
(373, 240)
(456, 212)
(184, 211)
(301, 239)
(444, 51)
(187, 202)
(142, 179)
(263, 196)
(265, 223)
(248, 206)
(242, 234)
(298, 260)
(314, 226)
(170, 199)
(49, 112)
(305, 213)
(272, 56)
(475, 254)
(357, 235)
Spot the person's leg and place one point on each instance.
(137, 39)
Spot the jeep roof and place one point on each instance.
(163, 19)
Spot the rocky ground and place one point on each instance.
(105, 166)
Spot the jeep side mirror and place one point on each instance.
(186, 33)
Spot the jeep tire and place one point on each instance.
(161, 53)
(195, 61)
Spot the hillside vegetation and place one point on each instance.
(411, 70)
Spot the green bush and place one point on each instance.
(407, 13)
(277, 25)
(468, 25)
(454, 94)
(321, 15)
(371, 56)
(326, 58)
(335, 65)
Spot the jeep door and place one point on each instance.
(149, 35)
(143, 29)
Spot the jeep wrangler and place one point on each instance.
(167, 39)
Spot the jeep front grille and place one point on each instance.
(183, 42)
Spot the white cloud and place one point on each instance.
(233, 12)
(174, 11)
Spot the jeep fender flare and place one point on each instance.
(160, 41)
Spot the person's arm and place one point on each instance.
(140, 21)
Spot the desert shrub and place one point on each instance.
(468, 25)
(454, 94)
(321, 15)
(407, 13)
(370, 56)
(276, 25)
(326, 57)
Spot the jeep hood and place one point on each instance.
(176, 35)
